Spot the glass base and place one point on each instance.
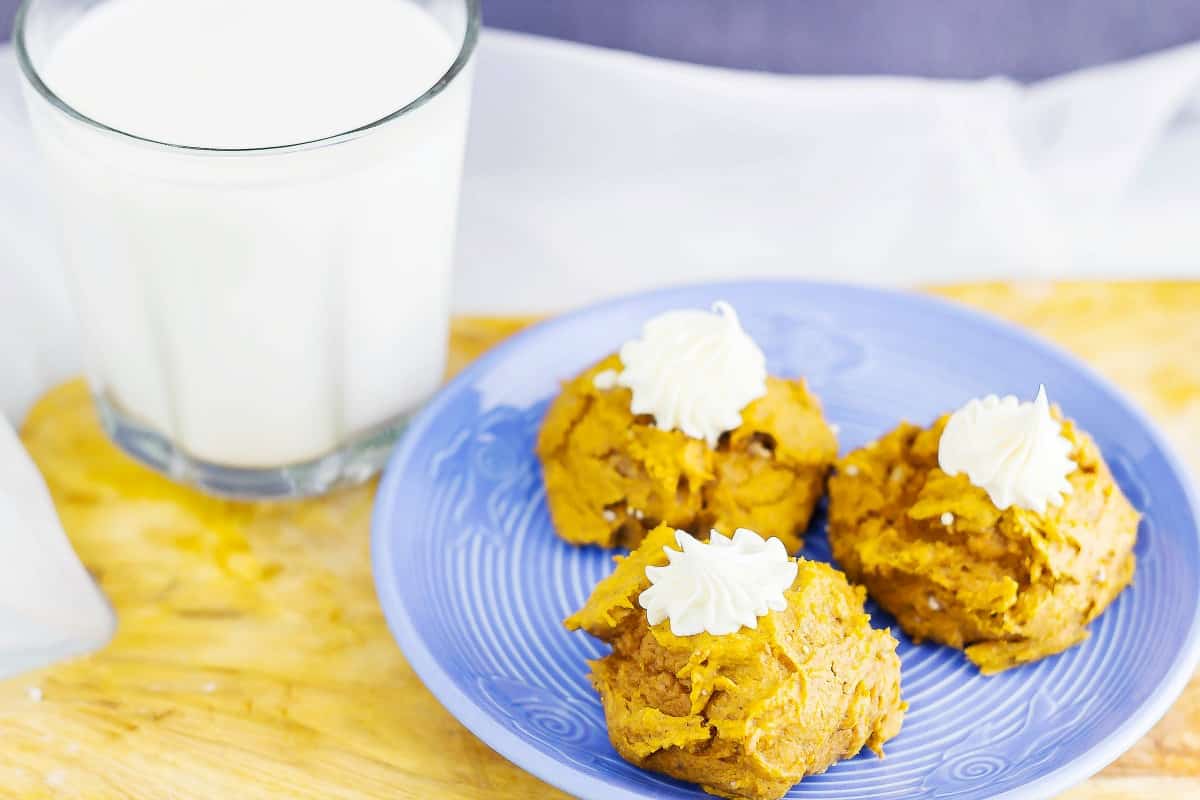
(353, 463)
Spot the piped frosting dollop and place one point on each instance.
(719, 586)
(1012, 450)
(693, 371)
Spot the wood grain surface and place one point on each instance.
(252, 660)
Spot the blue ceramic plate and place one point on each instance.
(475, 583)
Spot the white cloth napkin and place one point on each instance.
(49, 607)
(592, 172)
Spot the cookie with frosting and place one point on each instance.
(736, 667)
(998, 530)
(685, 427)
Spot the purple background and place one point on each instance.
(1026, 39)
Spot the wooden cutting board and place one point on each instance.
(252, 660)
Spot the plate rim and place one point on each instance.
(565, 777)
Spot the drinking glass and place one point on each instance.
(258, 322)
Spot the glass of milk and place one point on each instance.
(258, 202)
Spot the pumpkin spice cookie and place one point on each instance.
(736, 667)
(684, 427)
(998, 530)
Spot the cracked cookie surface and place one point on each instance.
(1008, 587)
(748, 714)
(611, 476)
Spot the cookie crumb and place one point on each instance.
(605, 380)
(758, 450)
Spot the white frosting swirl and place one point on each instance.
(693, 370)
(1012, 450)
(720, 586)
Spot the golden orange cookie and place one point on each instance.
(611, 476)
(747, 714)
(1008, 587)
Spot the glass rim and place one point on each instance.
(466, 48)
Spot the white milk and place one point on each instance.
(257, 309)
